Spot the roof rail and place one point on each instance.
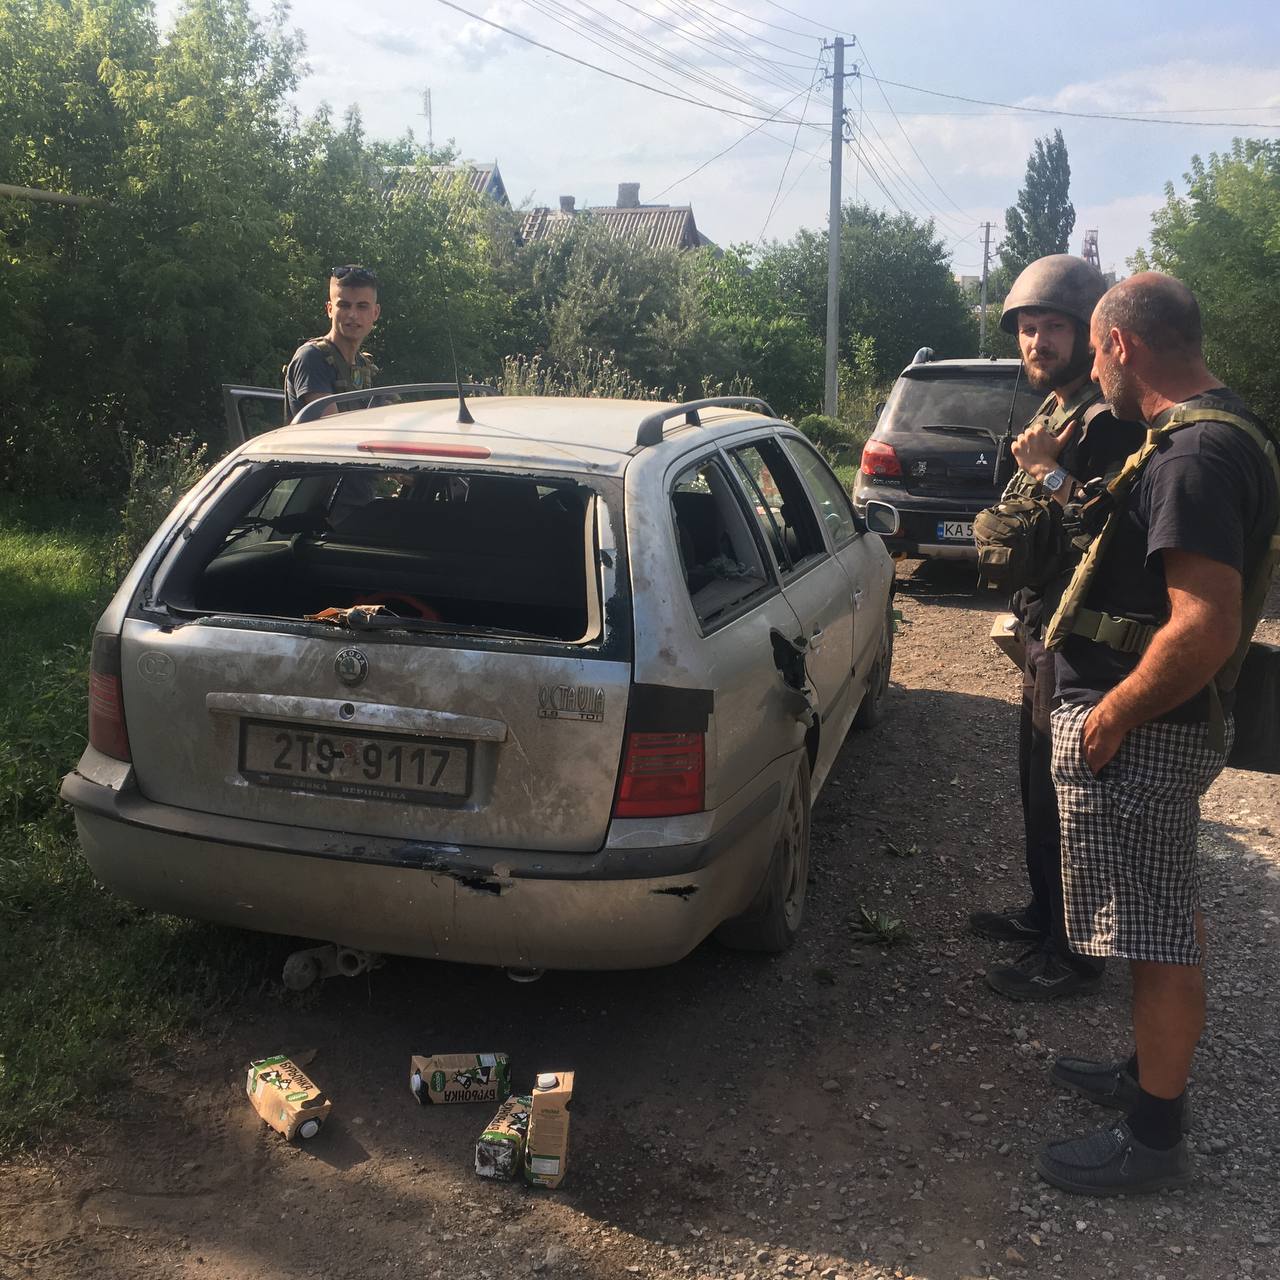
(315, 408)
(651, 427)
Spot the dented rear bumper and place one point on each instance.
(629, 905)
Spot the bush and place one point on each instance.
(158, 477)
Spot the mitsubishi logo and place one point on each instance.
(352, 666)
(982, 459)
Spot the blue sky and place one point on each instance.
(556, 128)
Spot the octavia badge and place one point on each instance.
(352, 666)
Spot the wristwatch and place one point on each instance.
(1055, 480)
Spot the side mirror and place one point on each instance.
(882, 518)
(879, 408)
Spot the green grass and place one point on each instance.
(90, 983)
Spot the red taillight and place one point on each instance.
(880, 459)
(106, 701)
(663, 774)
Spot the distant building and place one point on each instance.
(969, 284)
(483, 179)
(657, 226)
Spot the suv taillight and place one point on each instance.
(880, 459)
(106, 701)
(663, 774)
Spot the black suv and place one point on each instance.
(934, 452)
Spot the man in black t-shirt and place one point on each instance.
(1133, 749)
(334, 363)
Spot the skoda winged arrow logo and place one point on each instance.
(352, 666)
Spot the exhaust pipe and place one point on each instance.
(305, 967)
(525, 975)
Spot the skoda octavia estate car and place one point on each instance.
(554, 688)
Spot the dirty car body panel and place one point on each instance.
(445, 774)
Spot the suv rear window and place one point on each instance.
(451, 550)
(960, 397)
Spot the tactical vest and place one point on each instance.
(1132, 635)
(356, 376)
(1021, 540)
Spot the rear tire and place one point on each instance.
(871, 710)
(773, 920)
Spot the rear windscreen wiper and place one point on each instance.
(957, 429)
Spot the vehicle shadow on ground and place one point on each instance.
(947, 584)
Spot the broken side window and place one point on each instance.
(723, 568)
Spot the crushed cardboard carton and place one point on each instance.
(460, 1077)
(546, 1151)
(286, 1098)
(1007, 637)
(500, 1148)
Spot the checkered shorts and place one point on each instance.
(1130, 878)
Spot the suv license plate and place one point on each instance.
(363, 766)
(955, 530)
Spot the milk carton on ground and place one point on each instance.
(500, 1148)
(546, 1150)
(460, 1077)
(286, 1098)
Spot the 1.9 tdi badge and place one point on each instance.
(352, 666)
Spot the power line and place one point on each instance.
(751, 17)
(613, 75)
(750, 132)
(698, 42)
(907, 136)
(1078, 115)
(795, 137)
(710, 25)
(797, 53)
(628, 40)
(794, 14)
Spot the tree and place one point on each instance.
(1222, 239)
(1044, 217)
(896, 287)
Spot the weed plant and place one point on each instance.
(91, 984)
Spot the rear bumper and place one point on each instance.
(921, 518)
(624, 907)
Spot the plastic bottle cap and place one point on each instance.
(309, 1129)
(548, 1080)
(415, 1082)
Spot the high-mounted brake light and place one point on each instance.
(663, 774)
(424, 450)
(107, 732)
(880, 459)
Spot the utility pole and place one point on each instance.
(426, 111)
(982, 305)
(831, 398)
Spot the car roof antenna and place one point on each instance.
(1005, 449)
(464, 414)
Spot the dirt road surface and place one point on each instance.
(845, 1109)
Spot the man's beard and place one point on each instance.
(1063, 375)
(1120, 393)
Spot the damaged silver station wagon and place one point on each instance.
(553, 688)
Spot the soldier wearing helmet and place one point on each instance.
(1073, 438)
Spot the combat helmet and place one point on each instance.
(1058, 282)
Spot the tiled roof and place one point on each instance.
(657, 226)
(483, 179)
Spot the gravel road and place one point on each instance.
(850, 1109)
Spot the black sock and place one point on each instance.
(1157, 1122)
(1131, 1067)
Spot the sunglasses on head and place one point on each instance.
(341, 273)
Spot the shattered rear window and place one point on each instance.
(442, 549)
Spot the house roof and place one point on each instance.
(657, 226)
(483, 179)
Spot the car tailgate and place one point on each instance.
(947, 465)
(426, 739)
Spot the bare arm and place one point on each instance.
(316, 395)
(1184, 655)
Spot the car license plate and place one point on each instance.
(363, 766)
(955, 530)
